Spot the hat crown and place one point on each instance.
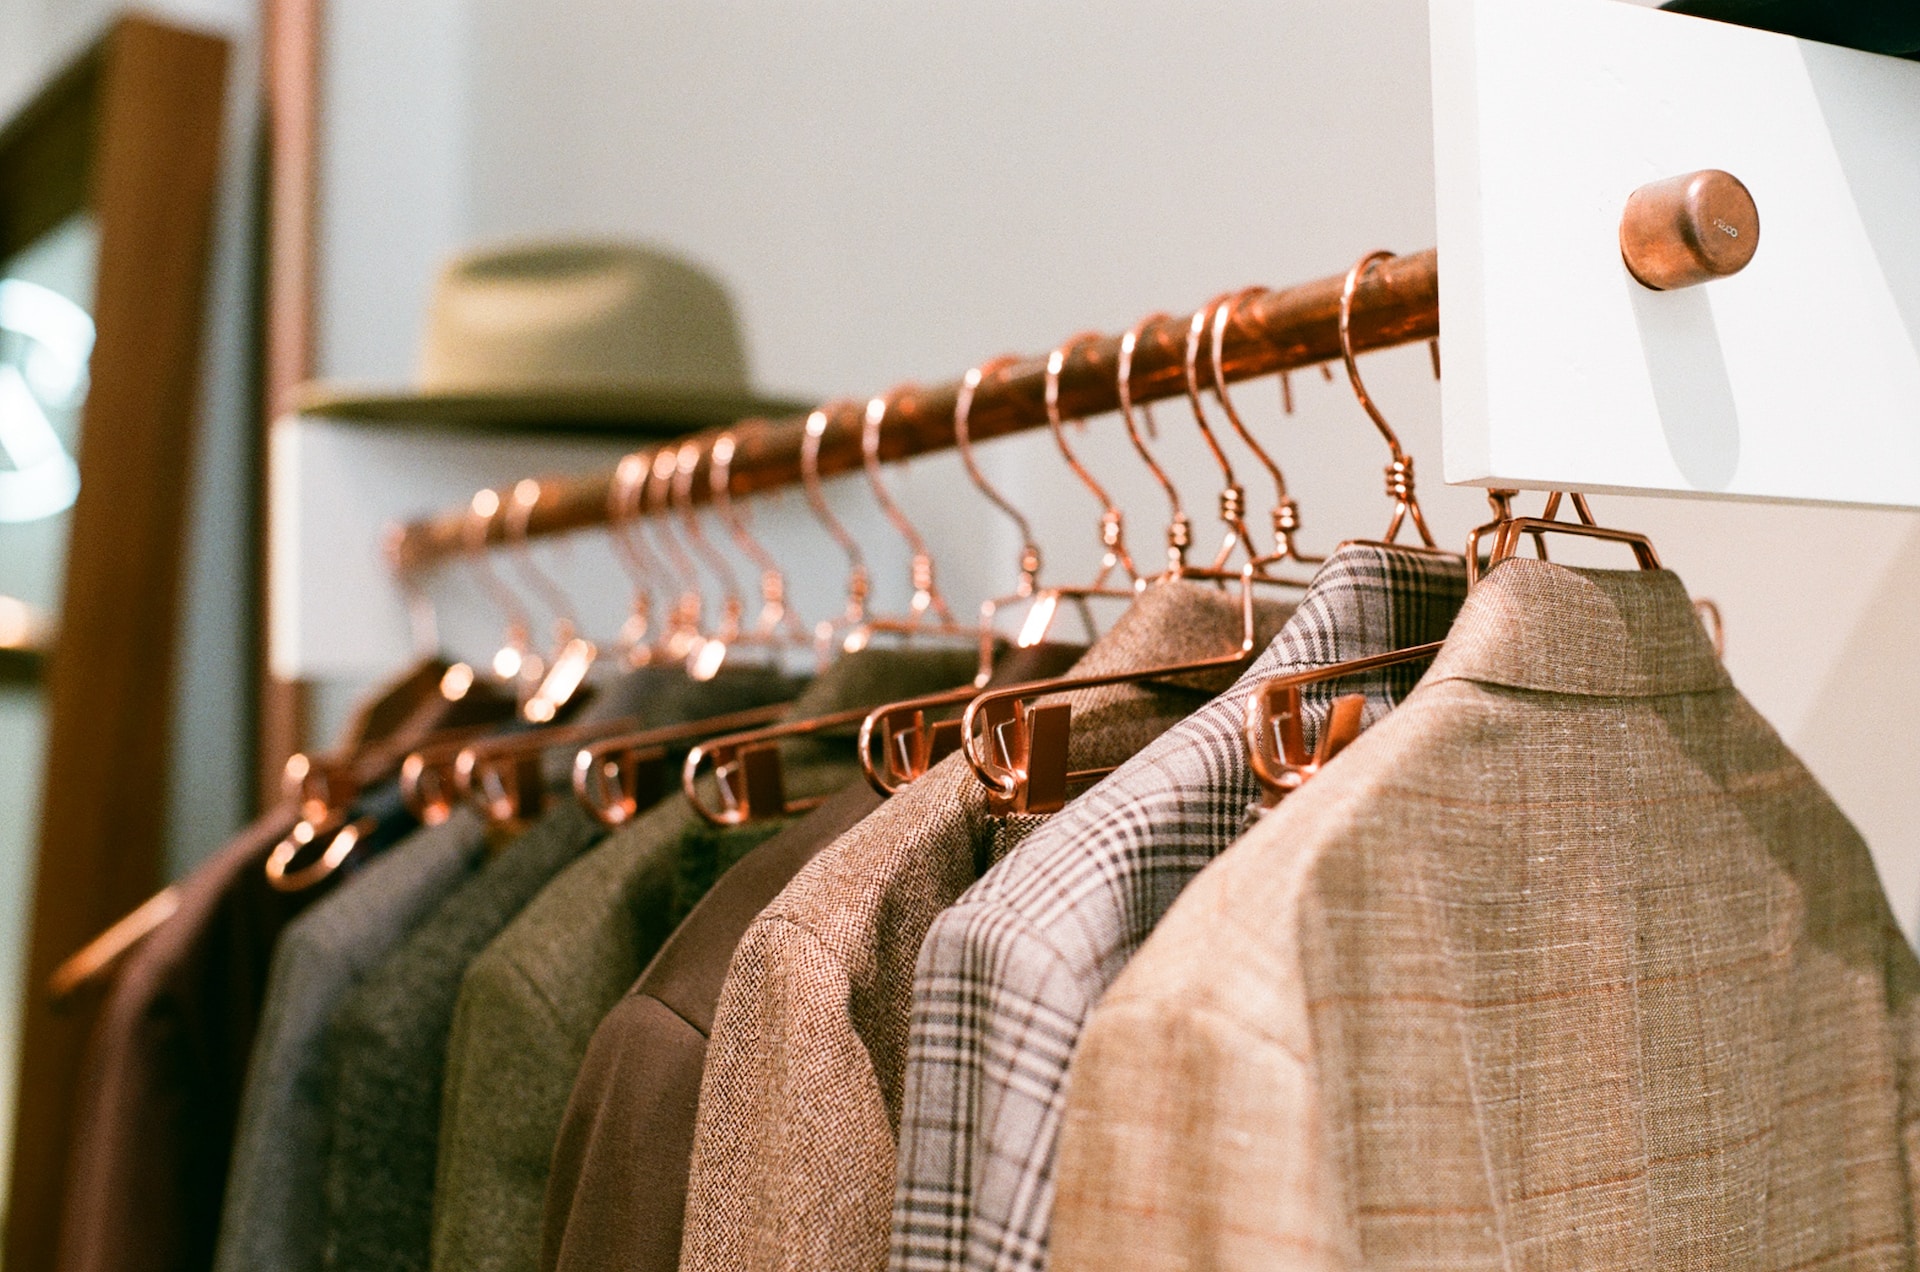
(572, 316)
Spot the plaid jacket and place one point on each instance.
(793, 1154)
(1567, 963)
(1007, 976)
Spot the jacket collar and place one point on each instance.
(1601, 633)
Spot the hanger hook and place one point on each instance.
(1400, 487)
(1217, 316)
(963, 441)
(926, 591)
(1233, 497)
(859, 577)
(774, 613)
(423, 620)
(1286, 511)
(1113, 535)
(690, 609)
(517, 642)
(622, 497)
(686, 465)
(1180, 526)
(520, 505)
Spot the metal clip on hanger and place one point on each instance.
(1276, 740)
(1018, 747)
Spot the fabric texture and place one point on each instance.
(387, 1041)
(274, 1219)
(530, 1003)
(161, 1079)
(793, 1160)
(617, 1190)
(1006, 977)
(1566, 963)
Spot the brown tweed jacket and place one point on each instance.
(793, 1157)
(1567, 963)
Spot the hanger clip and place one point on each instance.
(1276, 739)
(1030, 744)
(752, 782)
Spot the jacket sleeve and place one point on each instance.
(793, 1150)
(1192, 1141)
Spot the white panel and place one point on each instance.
(337, 488)
(1795, 379)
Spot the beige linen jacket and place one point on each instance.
(1568, 963)
(793, 1157)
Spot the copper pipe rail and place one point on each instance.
(1398, 303)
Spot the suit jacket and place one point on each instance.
(794, 1142)
(387, 1041)
(160, 1084)
(530, 1003)
(275, 1214)
(1007, 976)
(1567, 963)
(617, 1192)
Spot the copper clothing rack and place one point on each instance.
(1398, 302)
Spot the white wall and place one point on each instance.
(895, 191)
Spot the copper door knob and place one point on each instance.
(1689, 230)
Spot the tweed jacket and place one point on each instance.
(387, 1041)
(793, 1159)
(617, 1191)
(529, 1004)
(274, 1219)
(1566, 963)
(1007, 976)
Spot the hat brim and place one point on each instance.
(616, 410)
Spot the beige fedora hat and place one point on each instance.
(569, 334)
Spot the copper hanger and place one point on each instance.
(623, 495)
(1179, 525)
(1507, 539)
(1113, 536)
(1027, 577)
(776, 626)
(514, 662)
(573, 654)
(686, 620)
(747, 769)
(927, 613)
(707, 657)
(910, 742)
(1400, 487)
(1275, 732)
(849, 633)
(1286, 512)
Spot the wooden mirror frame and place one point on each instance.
(132, 131)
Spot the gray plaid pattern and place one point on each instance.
(1008, 975)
